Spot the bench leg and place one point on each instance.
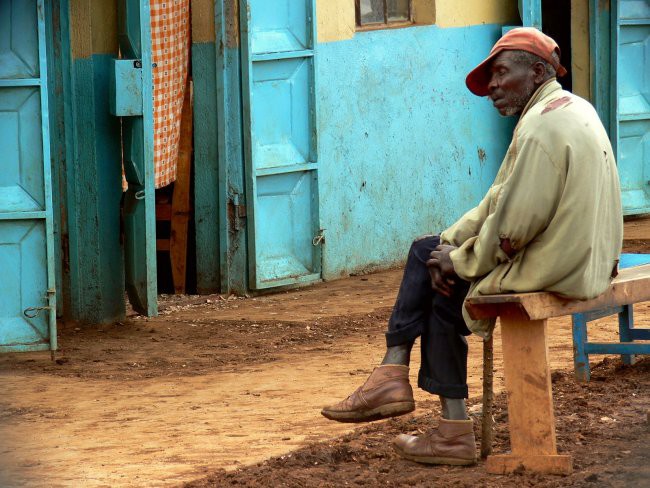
(530, 402)
(580, 356)
(625, 325)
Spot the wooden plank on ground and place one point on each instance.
(180, 213)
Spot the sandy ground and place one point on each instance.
(608, 440)
(211, 383)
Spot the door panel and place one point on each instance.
(18, 40)
(23, 261)
(21, 178)
(281, 120)
(284, 215)
(631, 100)
(137, 142)
(280, 26)
(280, 142)
(27, 294)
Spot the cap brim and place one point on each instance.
(478, 79)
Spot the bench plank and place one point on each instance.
(632, 285)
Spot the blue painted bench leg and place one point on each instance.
(580, 356)
(625, 325)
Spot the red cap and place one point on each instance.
(521, 39)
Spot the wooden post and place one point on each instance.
(530, 401)
(487, 422)
(181, 207)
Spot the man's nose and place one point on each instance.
(492, 84)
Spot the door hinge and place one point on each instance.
(236, 211)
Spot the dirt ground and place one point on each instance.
(220, 391)
(608, 439)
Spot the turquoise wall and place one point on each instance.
(94, 189)
(206, 167)
(404, 147)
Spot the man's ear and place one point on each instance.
(540, 72)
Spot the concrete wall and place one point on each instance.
(404, 148)
(94, 273)
(206, 170)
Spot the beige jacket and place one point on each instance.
(556, 198)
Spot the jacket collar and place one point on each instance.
(549, 87)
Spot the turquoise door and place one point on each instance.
(136, 109)
(27, 290)
(281, 164)
(630, 126)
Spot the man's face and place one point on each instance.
(512, 83)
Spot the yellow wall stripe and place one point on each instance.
(203, 21)
(580, 63)
(336, 18)
(452, 13)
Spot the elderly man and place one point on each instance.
(551, 221)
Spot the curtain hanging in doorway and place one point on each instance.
(170, 43)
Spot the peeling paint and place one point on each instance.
(231, 9)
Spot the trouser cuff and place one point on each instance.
(447, 391)
(403, 335)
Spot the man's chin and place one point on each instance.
(503, 112)
(508, 111)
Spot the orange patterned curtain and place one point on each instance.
(170, 44)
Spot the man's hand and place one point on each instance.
(441, 269)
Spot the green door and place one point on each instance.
(619, 34)
(137, 141)
(27, 289)
(630, 125)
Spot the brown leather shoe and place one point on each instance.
(386, 393)
(451, 443)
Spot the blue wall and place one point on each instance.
(404, 147)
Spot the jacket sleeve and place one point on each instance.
(526, 202)
(469, 224)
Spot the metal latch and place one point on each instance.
(33, 312)
(125, 97)
(318, 238)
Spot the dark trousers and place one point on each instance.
(437, 320)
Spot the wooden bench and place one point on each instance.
(523, 321)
